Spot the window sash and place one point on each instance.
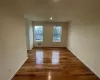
(57, 36)
(39, 33)
(39, 37)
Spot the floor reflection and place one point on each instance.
(39, 57)
(49, 75)
(55, 57)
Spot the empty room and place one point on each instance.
(49, 39)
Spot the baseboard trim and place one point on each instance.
(84, 63)
(49, 47)
(18, 69)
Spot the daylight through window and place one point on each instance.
(57, 31)
(38, 33)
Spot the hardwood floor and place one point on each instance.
(53, 64)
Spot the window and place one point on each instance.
(38, 33)
(57, 30)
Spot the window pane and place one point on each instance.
(57, 33)
(56, 36)
(39, 37)
(39, 33)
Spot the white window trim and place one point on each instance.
(60, 35)
(38, 40)
(35, 35)
(56, 40)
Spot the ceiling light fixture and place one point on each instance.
(50, 18)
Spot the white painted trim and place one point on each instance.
(18, 68)
(85, 64)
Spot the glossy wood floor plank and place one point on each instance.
(53, 64)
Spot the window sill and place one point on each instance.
(38, 41)
(56, 41)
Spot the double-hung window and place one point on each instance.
(57, 32)
(38, 33)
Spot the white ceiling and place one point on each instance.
(60, 10)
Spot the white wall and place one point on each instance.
(84, 39)
(29, 33)
(48, 34)
(12, 38)
(1, 67)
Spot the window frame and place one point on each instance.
(58, 34)
(36, 34)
